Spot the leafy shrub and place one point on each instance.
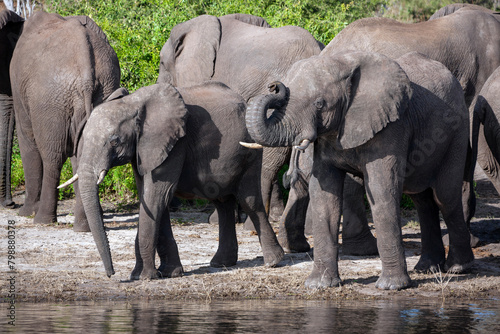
(137, 30)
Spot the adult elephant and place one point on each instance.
(409, 133)
(451, 40)
(178, 142)
(243, 52)
(61, 68)
(11, 26)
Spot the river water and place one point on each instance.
(257, 316)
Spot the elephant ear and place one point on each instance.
(378, 93)
(161, 123)
(117, 94)
(191, 49)
(249, 19)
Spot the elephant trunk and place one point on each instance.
(275, 130)
(89, 193)
(6, 138)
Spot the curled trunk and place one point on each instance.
(275, 130)
(89, 193)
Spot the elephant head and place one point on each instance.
(122, 130)
(11, 26)
(351, 96)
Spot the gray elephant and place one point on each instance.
(179, 142)
(11, 26)
(61, 68)
(402, 128)
(451, 40)
(243, 52)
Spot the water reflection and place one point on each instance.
(408, 316)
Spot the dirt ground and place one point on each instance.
(53, 263)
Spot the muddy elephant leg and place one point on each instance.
(80, 224)
(325, 188)
(357, 238)
(432, 255)
(384, 191)
(33, 176)
(291, 234)
(227, 253)
(170, 262)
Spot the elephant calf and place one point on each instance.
(181, 142)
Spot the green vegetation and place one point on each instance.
(137, 30)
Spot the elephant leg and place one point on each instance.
(6, 137)
(273, 158)
(252, 204)
(433, 255)
(47, 210)
(33, 175)
(460, 256)
(384, 191)
(325, 188)
(357, 238)
(170, 262)
(227, 253)
(146, 242)
(291, 234)
(487, 161)
(276, 204)
(81, 223)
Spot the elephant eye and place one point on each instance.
(319, 103)
(114, 141)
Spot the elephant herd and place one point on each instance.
(385, 108)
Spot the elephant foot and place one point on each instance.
(360, 247)
(81, 225)
(144, 275)
(224, 259)
(171, 270)
(321, 278)
(297, 244)
(428, 264)
(393, 282)
(273, 255)
(8, 203)
(27, 210)
(45, 219)
(459, 260)
(474, 241)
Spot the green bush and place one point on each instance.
(137, 30)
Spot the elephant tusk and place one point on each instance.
(102, 175)
(70, 181)
(303, 145)
(251, 145)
